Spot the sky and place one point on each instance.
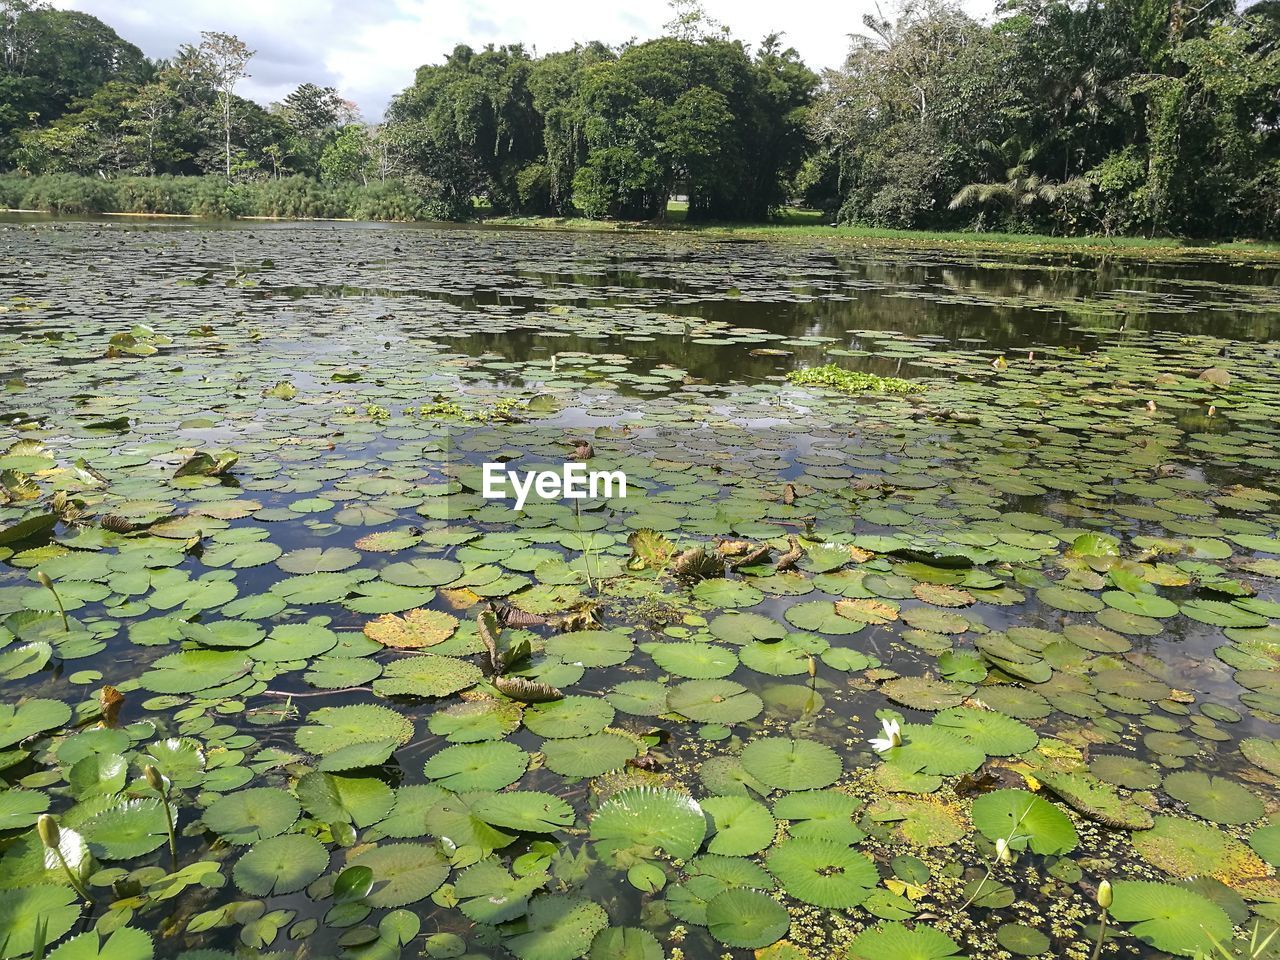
(369, 49)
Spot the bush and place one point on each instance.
(11, 191)
(164, 194)
(214, 197)
(533, 188)
(295, 198)
(219, 199)
(68, 193)
(386, 200)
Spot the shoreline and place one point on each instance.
(1261, 252)
(1239, 252)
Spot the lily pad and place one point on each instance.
(895, 941)
(557, 927)
(403, 873)
(823, 873)
(1170, 918)
(280, 865)
(741, 917)
(792, 764)
(1024, 820)
(247, 816)
(741, 825)
(1213, 798)
(650, 818)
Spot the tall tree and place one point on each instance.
(226, 58)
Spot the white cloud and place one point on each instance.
(369, 49)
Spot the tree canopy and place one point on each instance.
(1061, 116)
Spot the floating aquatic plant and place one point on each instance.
(1044, 590)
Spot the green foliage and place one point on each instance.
(1056, 117)
(850, 381)
(66, 193)
(215, 197)
(1108, 118)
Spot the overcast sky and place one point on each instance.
(369, 49)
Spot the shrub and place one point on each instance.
(213, 196)
(533, 188)
(163, 194)
(11, 191)
(386, 200)
(68, 193)
(299, 198)
(219, 199)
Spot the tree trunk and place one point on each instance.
(226, 126)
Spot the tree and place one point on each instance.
(699, 116)
(470, 125)
(902, 118)
(556, 83)
(156, 127)
(50, 59)
(225, 57)
(315, 115)
(349, 156)
(1020, 189)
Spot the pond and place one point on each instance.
(943, 589)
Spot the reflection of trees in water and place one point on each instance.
(1019, 305)
(430, 280)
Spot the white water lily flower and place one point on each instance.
(892, 737)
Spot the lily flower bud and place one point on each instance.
(50, 835)
(154, 777)
(1104, 894)
(1003, 853)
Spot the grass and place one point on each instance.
(798, 224)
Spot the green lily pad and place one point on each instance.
(714, 701)
(247, 816)
(403, 873)
(490, 894)
(280, 865)
(1024, 820)
(1170, 918)
(477, 766)
(525, 810)
(650, 818)
(557, 927)
(993, 733)
(895, 941)
(1213, 798)
(572, 716)
(792, 764)
(740, 917)
(741, 825)
(589, 756)
(128, 830)
(823, 873)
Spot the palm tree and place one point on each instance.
(1022, 188)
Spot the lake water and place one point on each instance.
(397, 717)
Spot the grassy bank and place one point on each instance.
(811, 225)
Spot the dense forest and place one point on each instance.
(1058, 116)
